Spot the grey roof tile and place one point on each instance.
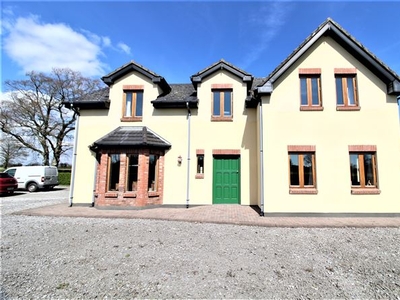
(133, 137)
(177, 97)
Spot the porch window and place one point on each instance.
(132, 176)
(113, 172)
(153, 173)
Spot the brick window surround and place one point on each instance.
(226, 152)
(366, 190)
(199, 152)
(302, 150)
(220, 88)
(308, 74)
(342, 75)
(121, 196)
(131, 88)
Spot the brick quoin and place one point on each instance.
(142, 196)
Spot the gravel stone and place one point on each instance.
(92, 258)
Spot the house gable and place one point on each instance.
(132, 66)
(350, 44)
(218, 66)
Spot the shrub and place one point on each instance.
(64, 177)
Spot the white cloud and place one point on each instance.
(124, 47)
(39, 46)
(267, 22)
(106, 41)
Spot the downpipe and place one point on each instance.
(72, 183)
(261, 137)
(188, 158)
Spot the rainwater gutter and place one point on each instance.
(72, 184)
(261, 133)
(188, 158)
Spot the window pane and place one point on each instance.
(216, 104)
(369, 169)
(315, 94)
(152, 182)
(308, 169)
(294, 169)
(303, 90)
(139, 104)
(128, 104)
(354, 169)
(113, 182)
(227, 103)
(200, 164)
(339, 91)
(350, 91)
(133, 161)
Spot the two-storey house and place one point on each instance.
(320, 134)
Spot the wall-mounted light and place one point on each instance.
(179, 160)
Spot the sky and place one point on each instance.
(177, 39)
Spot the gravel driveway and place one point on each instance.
(58, 257)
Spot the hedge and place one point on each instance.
(64, 177)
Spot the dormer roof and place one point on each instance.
(132, 66)
(221, 65)
(349, 43)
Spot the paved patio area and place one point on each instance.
(222, 214)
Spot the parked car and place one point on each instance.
(8, 184)
(33, 178)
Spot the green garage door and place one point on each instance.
(226, 179)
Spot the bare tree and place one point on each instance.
(11, 152)
(35, 115)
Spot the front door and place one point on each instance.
(226, 179)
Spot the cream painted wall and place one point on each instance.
(331, 132)
(240, 134)
(171, 124)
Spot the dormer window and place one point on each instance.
(132, 105)
(222, 103)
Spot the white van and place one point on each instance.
(33, 178)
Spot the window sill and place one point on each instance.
(348, 108)
(153, 194)
(365, 191)
(221, 119)
(199, 176)
(303, 191)
(311, 108)
(130, 195)
(131, 119)
(111, 195)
